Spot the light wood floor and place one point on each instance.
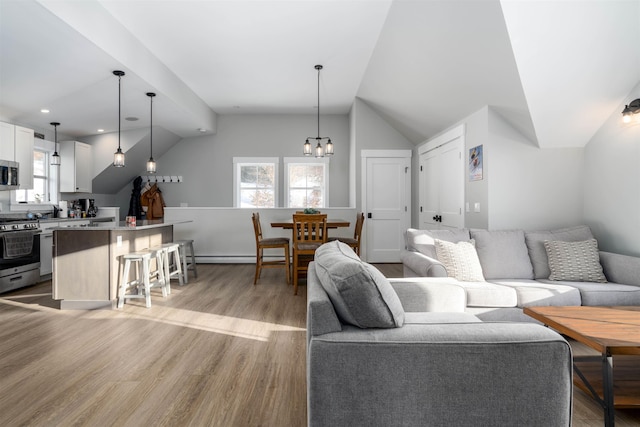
(217, 352)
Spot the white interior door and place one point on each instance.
(441, 181)
(386, 207)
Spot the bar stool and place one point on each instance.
(145, 278)
(167, 250)
(183, 253)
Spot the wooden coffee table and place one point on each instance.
(612, 331)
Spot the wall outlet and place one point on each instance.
(119, 241)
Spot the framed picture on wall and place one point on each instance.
(475, 163)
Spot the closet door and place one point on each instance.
(441, 183)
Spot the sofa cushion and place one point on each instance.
(487, 294)
(460, 259)
(535, 293)
(594, 294)
(574, 261)
(424, 240)
(430, 318)
(538, 254)
(503, 254)
(361, 295)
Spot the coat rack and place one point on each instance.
(161, 178)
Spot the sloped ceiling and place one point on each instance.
(555, 69)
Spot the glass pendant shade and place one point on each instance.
(307, 148)
(328, 149)
(319, 150)
(55, 157)
(118, 158)
(151, 165)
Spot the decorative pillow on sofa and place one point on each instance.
(574, 261)
(503, 254)
(460, 259)
(538, 254)
(423, 241)
(360, 294)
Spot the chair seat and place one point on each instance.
(308, 246)
(275, 241)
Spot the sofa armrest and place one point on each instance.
(321, 316)
(432, 295)
(423, 265)
(623, 269)
(441, 374)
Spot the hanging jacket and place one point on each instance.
(154, 202)
(135, 209)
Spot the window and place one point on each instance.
(307, 183)
(44, 181)
(255, 182)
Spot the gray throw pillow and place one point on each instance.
(503, 254)
(460, 259)
(574, 261)
(360, 294)
(538, 254)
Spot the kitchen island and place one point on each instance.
(86, 259)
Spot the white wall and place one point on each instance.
(206, 162)
(529, 187)
(612, 177)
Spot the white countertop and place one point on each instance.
(121, 225)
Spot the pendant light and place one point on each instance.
(320, 151)
(55, 157)
(118, 156)
(151, 164)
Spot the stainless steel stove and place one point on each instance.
(19, 252)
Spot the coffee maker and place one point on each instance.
(88, 206)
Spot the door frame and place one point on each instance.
(367, 154)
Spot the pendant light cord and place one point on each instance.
(151, 126)
(119, 113)
(319, 67)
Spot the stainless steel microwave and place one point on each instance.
(9, 175)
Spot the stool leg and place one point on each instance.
(179, 270)
(147, 285)
(193, 261)
(123, 283)
(183, 259)
(163, 278)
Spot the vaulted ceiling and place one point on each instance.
(555, 69)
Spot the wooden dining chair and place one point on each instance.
(270, 243)
(357, 233)
(309, 232)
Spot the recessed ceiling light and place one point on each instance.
(100, 130)
(131, 119)
(202, 130)
(44, 110)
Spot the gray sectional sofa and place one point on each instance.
(517, 271)
(403, 352)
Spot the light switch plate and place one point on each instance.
(476, 207)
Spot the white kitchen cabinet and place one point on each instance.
(24, 156)
(7, 141)
(75, 167)
(46, 247)
(16, 144)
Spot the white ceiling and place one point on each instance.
(555, 69)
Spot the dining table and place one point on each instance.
(331, 223)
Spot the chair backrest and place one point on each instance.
(257, 228)
(309, 228)
(357, 232)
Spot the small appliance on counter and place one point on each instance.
(64, 208)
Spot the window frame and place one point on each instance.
(293, 161)
(238, 162)
(52, 178)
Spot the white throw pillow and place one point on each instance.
(460, 259)
(574, 261)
